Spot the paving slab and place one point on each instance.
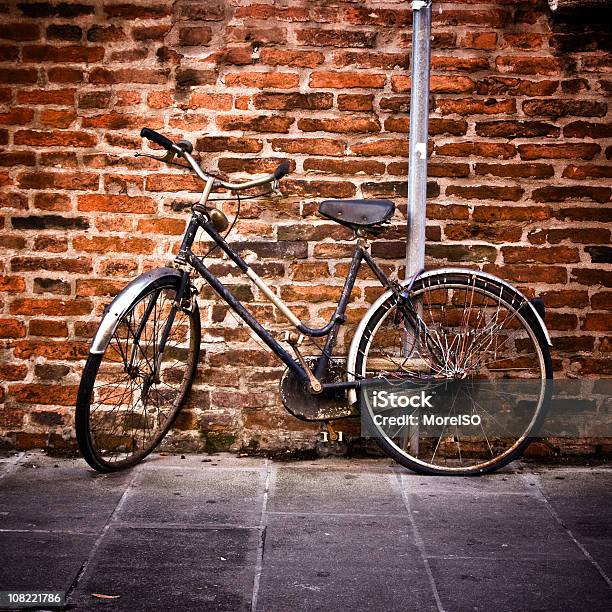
(493, 484)
(314, 562)
(46, 493)
(510, 585)
(206, 496)
(171, 569)
(8, 462)
(41, 561)
(332, 491)
(487, 526)
(582, 499)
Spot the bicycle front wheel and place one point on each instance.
(130, 395)
(475, 333)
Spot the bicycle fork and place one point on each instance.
(158, 356)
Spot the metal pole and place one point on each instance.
(419, 124)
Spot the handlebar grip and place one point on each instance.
(162, 141)
(281, 170)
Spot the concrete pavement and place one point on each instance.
(230, 534)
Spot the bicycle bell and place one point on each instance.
(218, 219)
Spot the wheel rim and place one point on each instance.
(518, 355)
(132, 403)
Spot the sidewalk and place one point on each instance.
(236, 534)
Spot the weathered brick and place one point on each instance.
(116, 204)
(516, 129)
(342, 125)
(347, 80)
(559, 151)
(262, 80)
(289, 101)
(290, 57)
(563, 108)
(315, 37)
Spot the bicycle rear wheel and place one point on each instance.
(475, 332)
(130, 395)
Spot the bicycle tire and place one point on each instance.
(86, 438)
(413, 463)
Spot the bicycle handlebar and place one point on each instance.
(281, 170)
(159, 139)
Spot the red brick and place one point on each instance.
(309, 146)
(103, 76)
(469, 106)
(19, 31)
(65, 75)
(116, 204)
(347, 80)
(562, 108)
(228, 143)
(289, 57)
(78, 181)
(466, 64)
(551, 193)
(48, 328)
(49, 307)
(210, 101)
(109, 244)
(254, 123)
(57, 118)
(268, 11)
(529, 64)
(536, 171)
(73, 54)
(18, 76)
(551, 255)
(54, 139)
(315, 37)
(136, 11)
(485, 192)
(523, 40)
(492, 18)
(479, 40)
(334, 166)
(582, 235)
(17, 116)
(511, 213)
(343, 125)
(12, 328)
(371, 59)
(559, 151)
(289, 101)
(53, 264)
(263, 80)
(194, 36)
(355, 102)
(477, 149)
(587, 171)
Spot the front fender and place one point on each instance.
(352, 354)
(119, 306)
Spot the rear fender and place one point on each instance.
(119, 306)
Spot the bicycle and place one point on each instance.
(440, 325)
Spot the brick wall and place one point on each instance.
(519, 178)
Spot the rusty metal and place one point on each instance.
(321, 407)
(294, 342)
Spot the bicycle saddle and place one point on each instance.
(357, 213)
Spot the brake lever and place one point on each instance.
(275, 189)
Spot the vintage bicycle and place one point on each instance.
(440, 325)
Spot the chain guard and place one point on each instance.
(310, 407)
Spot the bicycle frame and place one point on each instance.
(186, 256)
